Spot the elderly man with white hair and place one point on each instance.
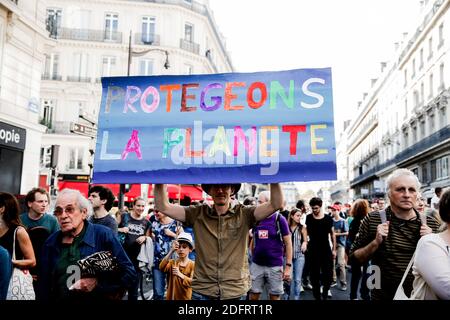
(389, 237)
(61, 274)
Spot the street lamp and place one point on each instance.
(131, 53)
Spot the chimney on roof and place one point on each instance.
(383, 66)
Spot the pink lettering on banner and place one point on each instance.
(133, 145)
(148, 108)
(240, 135)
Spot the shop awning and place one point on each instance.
(135, 190)
(176, 191)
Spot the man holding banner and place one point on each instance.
(221, 233)
(218, 130)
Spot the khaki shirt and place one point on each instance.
(221, 243)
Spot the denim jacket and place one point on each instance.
(97, 238)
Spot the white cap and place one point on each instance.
(186, 237)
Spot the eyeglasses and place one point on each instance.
(59, 210)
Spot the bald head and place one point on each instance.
(263, 197)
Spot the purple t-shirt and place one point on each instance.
(268, 248)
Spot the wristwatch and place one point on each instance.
(289, 264)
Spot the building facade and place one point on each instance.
(23, 43)
(101, 38)
(404, 121)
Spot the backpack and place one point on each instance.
(125, 218)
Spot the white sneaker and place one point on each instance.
(329, 294)
(301, 289)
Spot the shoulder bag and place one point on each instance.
(21, 284)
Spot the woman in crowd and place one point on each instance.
(137, 229)
(359, 210)
(299, 245)
(10, 228)
(432, 258)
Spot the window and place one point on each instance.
(431, 86)
(431, 127)
(76, 158)
(413, 69)
(441, 77)
(406, 109)
(422, 93)
(51, 66)
(442, 168)
(46, 157)
(53, 22)
(406, 77)
(433, 170)
(48, 109)
(107, 65)
(80, 19)
(416, 98)
(405, 138)
(146, 67)
(189, 32)
(442, 117)
(189, 69)
(148, 30)
(80, 66)
(424, 173)
(421, 59)
(111, 26)
(441, 35)
(422, 127)
(430, 48)
(414, 133)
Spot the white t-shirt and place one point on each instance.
(435, 202)
(432, 263)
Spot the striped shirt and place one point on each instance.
(395, 252)
(297, 242)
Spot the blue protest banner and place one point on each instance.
(220, 128)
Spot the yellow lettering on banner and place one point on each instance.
(315, 139)
(263, 152)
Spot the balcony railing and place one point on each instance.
(189, 46)
(89, 35)
(47, 76)
(78, 79)
(150, 39)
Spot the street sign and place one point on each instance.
(82, 129)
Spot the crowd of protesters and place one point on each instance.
(85, 249)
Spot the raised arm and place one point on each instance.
(262, 211)
(162, 204)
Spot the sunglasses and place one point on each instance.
(59, 210)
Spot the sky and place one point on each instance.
(350, 36)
